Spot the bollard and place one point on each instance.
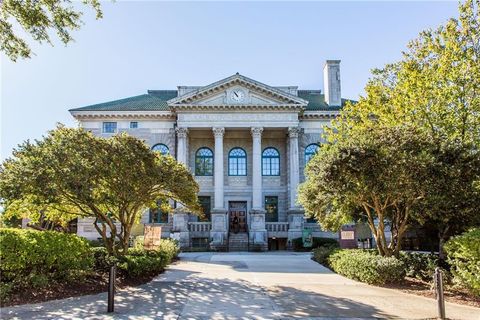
(439, 292)
(111, 288)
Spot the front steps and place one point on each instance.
(238, 241)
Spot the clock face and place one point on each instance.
(237, 95)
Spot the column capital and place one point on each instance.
(181, 132)
(218, 131)
(256, 131)
(294, 132)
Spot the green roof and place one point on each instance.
(156, 100)
(316, 100)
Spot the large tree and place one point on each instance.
(377, 175)
(38, 18)
(436, 89)
(111, 179)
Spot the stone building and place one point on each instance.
(245, 142)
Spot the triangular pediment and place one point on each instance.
(237, 90)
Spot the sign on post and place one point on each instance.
(151, 237)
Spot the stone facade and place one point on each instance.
(236, 112)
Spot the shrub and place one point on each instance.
(366, 266)
(139, 262)
(33, 258)
(419, 265)
(322, 253)
(464, 257)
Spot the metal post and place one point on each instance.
(111, 288)
(439, 292)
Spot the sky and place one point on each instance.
(141, 45)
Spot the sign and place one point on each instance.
(152, 236)
(307, 238)
(347, 235)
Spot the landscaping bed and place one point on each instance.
(413, 272)
(40, 266)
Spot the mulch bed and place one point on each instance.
(95, 283)
(422, 288)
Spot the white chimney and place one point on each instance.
(331, 83)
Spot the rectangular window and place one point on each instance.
(205, 202)
(109, 127)
(157, 215)
(271, 209)
(133, 125)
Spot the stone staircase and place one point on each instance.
(238, 241)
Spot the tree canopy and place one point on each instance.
(434, 89)
(72, 172)
(377, 175)
(38, 19)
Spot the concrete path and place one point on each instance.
(274, 285)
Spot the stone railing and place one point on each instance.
(276, 226)
(199, 226)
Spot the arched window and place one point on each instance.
(270, 162)
(310, 151)
(204, 162)
(237, 162)
(160, 147)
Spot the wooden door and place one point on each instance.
(238, 209)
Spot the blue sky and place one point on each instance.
(159, 45)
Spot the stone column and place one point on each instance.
(218, 233)
(218, 170)
(257, 203)
(257, 231)
(182, 145)
(294, 165)
(180, 217)
(295, 213)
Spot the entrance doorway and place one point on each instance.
(238, 209)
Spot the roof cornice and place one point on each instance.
(238, 107)
(307, 115)
(84, 115)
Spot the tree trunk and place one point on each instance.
(442, 237)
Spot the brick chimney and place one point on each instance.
(331, 83)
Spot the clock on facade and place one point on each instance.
(237, 95)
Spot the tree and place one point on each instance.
(38, 18)
(452, 197)
(377, 175)
(111, 179)
(436, 89)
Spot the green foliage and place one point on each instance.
(72, 168)
(367, 266)
(374, 174)
(38, 18)
(33, 258)
(297, 243)
(464, 257)
(322, 253)
(140, 262)
(419, 265)
(434, 89)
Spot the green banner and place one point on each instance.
(307, 238)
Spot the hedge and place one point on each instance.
(139, 262)
(33, 258)
(366, 266)
(419, 265)
(463, 254)
(297, 243)
(322, 253)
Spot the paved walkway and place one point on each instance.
(271, 285)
